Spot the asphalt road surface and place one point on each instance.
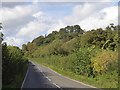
(39, 76)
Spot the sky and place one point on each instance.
(24, 21)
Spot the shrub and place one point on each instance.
(82, 63)
(13, 65)
(105, 61)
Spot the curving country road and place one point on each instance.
(39, 76)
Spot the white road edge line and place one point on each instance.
(39, 69)
(43, 74)
(25, 77)
(56, 85)
(49, 79)
(72, 79)
(69, 78)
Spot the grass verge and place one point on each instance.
(101, 81)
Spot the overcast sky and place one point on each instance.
(24, 21)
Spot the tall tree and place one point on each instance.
(24, 47)
(78, 29)
(39, 40)
(69, 29)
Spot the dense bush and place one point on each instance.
(14, 66)
(82, 63)
(88, 53)
(85, 53)
(71, 46)
(105, 61)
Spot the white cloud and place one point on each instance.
(87, 15)
(14, 41)
(15, 1)
(38, 14)
(79, 12)
(101, 19)
(13, 19)
(56, 26)
(41, 24)
(50, 23)
(83, 11)
(44, 18)
(16, 13)
(31, 30)
(57, 0)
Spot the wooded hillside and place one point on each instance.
(89, 53)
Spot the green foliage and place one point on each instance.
(82, 63)
(38, 41)
(98, 38)
(105, 61)
(31, 47)
(14, 65)
(50, 37)
(71, 46)
(50, 49)
(24, 47)
(92, 53)
(94, 37)
(15, 53)
(78, 29)
(62, 65)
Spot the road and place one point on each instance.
(39, 76)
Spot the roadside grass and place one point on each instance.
(101, 81)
